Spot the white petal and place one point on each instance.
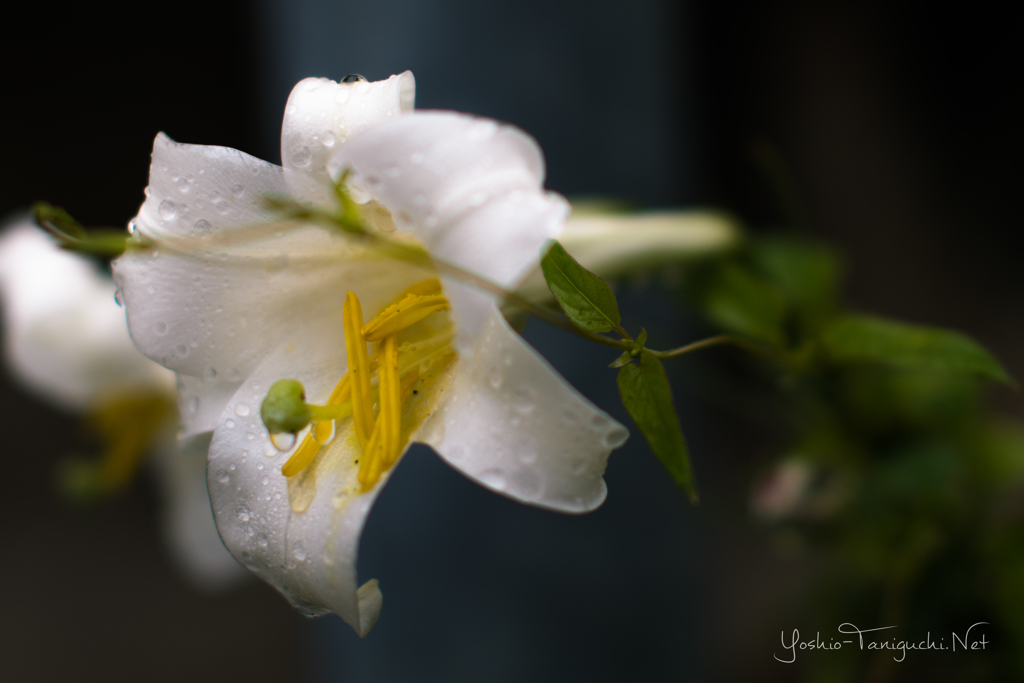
(211, 305)
(514, 425)
(198, 190)
(612, 244)
(65, 336)
(309, 556)
(188, 519)
(321, 115)
(470, 188)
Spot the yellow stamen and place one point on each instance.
(302, 456)
(390, 397)
(397, 317)
(380, 439)
(359, 369)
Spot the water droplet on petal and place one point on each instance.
(242, 409)
(522, 401)
(283, 441)
(168, 210)
(353, 78)
(181, 350)
(261, 539)
(119, 297)
(616, 438)
(301, 156)
(223, 476)
(299, 553)
(495, 377)
(192, 404)
(210, 374)
(201, 225)
(160, 328)
(493, 478)
(265, 480)
(243, 514)
(182, 184)
(328, 138)
(229, 423)
(238, 190)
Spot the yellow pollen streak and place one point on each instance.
(359, 370)
(397, 317)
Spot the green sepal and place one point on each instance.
(57, 222)
(586, 299)
(74, 237)
(861, 338)
(284, 410)
(647, 396)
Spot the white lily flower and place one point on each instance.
(65, 337)
(67, 342)
(234, 302)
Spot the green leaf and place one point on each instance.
(585, 298)
(647, 396)
(858, 338)
(740, 301)
(807, 274)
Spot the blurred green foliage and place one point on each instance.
(898, 476)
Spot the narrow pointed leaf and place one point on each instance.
(647, 396)
(858, 338)
(585, 298)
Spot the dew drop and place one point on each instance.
(493, 478)
(223, 476)
(522, 401)
(242, 409)
(221, 206)
(495, 377)
(299, 553)
(301, 156)
(160, 328)
(243, 514)
(353, 78)
(119, 297)
(168, 210)
(615, 438)
(210, 374)
(249, 436)
(265, 480)
(229, 423)
(133, 227)
(238, 190)
(283, 441)
(261, 539)
(328, 139)
(181, 350)
(182, 184)
(193, 404)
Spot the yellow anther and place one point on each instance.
(302, 456)
(359, 369)
(425, 288)
(401, 315)
(390, 400)
(323, 431)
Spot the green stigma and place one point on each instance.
(284, 409)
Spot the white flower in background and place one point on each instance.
(234, 302)
(66, 341)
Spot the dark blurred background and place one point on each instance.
(899, 128)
